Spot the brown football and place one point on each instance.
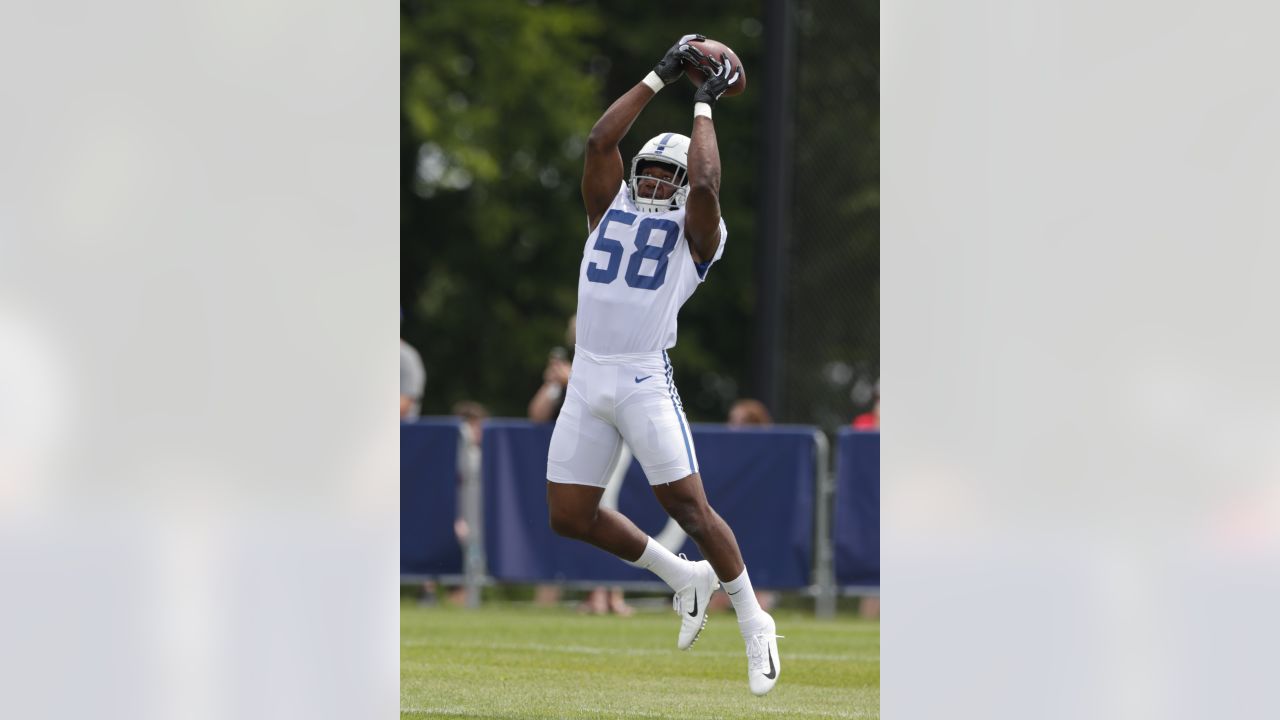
(714, 49)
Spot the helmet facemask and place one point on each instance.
(653, 200)
(670, 152)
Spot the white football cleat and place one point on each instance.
(691, 603)
(763, 664)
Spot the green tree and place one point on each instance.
(495, 102)
(832, 348)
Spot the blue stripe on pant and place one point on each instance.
(675, 405)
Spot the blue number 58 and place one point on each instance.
(670, 232)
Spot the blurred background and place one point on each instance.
(497, 100)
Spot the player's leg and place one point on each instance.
(577, 456)
(584, 453)
(576, 513)
(653, 423)
(686, 501)
(658, 436)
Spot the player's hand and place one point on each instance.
(724, 75)
(669, 67)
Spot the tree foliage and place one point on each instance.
(832, 348)
(495, 106)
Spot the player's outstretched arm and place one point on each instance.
(603, 171)
(702, 209)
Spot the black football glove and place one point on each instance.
(669, 67)
(720, 75)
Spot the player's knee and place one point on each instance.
(692, 517)
(569, 524)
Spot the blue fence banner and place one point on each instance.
(759, 480)
(856, 523)
(429, 498)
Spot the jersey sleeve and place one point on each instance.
(703, 267)
(622, 200)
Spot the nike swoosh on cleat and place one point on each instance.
(694, 611)
(772, 672)
(642, 379)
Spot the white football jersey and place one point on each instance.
(636, 273)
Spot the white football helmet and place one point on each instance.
(672, 150)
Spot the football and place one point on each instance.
(714, 49)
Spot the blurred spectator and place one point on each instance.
(413, 380)
(869, 420)
(546, 402)
(749, 411)
(473, 415)
(869, 607)
(544, 407)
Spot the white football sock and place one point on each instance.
(743, 598)
(662, 562)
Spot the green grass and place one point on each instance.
(508, 661)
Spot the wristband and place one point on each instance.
(653, 81)
(702, 110)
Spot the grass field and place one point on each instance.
(513, 661)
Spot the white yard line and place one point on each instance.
(589, 650)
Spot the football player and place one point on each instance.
(650, 243)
